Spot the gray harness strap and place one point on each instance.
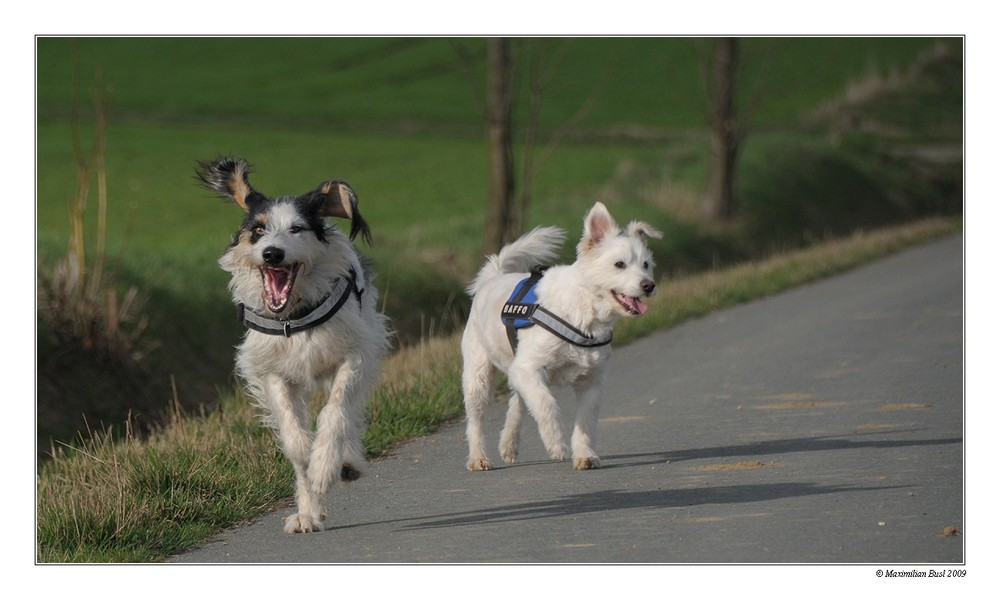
(564, 330)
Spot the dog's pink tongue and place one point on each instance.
(634, 304)
(276, 282)
(278, 279)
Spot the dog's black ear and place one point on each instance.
(335, 198)
(229, 177)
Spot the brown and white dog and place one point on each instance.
(307, 299)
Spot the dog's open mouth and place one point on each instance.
(278, 282)
(632, 304)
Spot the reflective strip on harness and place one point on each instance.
(522, 310)
(564, 330)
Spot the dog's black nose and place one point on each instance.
(273, 255)
(648, 286)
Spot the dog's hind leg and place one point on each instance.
(289, 415)
(477, 387)
(588, 398)
(337, 451)
(510, 437)
(528, 383)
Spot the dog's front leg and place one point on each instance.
(528, 382)
(337, 451)
(588, 399)
(288, 412)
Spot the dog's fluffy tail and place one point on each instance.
(538, 246)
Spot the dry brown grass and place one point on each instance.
(687, 297)
(876, 84)
(77, 300)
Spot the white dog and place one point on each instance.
(568, 316)
(307, 300)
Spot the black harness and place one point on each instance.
(308, 317)
(522, 310)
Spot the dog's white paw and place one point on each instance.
(479, 464)
(585, 463)
(508, 450)
(304, 523)
(559, 452)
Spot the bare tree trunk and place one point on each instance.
(721, 201)
(500, 216)
(533, 51)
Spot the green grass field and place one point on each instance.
(358, 83)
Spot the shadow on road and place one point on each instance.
(816, 444)
(609, 500)
(602, 501)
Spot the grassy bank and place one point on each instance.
(142, 499)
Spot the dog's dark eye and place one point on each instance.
(645, 266)
(257, 230)
(620, 264)
(295, 229)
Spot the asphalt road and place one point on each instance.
(821, 425)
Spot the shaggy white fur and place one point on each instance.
(285, 260)
(612, 274)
